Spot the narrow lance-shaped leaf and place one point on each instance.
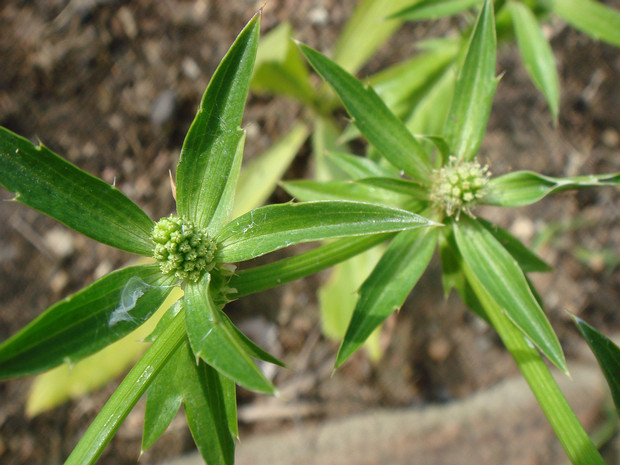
(131, 389)
(214, 342)
(46, 182)
(502, 278)
(537, 54)
(85, 322)
(526, 187)
(260, 278)
(163, 399)
(433, 9)
(388, 285)
(527, 260)
(475, 86)
(608, 355)
(205, 410)
(178, 382)
(592, 17)
(276, 226)
(452, 274)
(373, 118)
(210, 145)
(56, 386)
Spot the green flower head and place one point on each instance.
(459, 185)
(181, 249)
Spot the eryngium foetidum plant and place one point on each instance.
(197, 355)
(439, 177)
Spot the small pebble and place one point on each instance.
(163, 107)
(60, 242)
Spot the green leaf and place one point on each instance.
(356, 167)
(276, 226)
(224, 210)
(279, 68)
(131, 389)
(260, 278)
(537, 54)
(260, 176)
(574, 439)
(401, 86)
(325, 138)
(373, 118)
(452, 275)
(388, 285)
(608, 356)
(214, 342)
(430, 113)
(338, 296)
(434, 9)
(201, 389)
(85, 322)
(502, 278)
(208, 153)
(305, 190)
(248, 345)
(593, 18)
(526, 187)
(397, 186)
(46, 182)
(527, 260)
(475, 86)
(365, 32)
(205, 409)
(163, 398)
(58, 385)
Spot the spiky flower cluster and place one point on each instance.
(459, 185)
(182, 249)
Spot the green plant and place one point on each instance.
(484, 263)
(197, 354)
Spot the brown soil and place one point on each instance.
(113, 86)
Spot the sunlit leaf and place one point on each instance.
(64, 382)
(260, 176)
(526, 187)
(131, 389)
(46, 182)
(208, 153)
(475, 86)
(263, 277)
(502, 278)
(276, 226)
(214, 342)
(608, 356)
(388, 285)
(86, 321)
(373, 118)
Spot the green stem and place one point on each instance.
(574, 439)
(127, 394)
